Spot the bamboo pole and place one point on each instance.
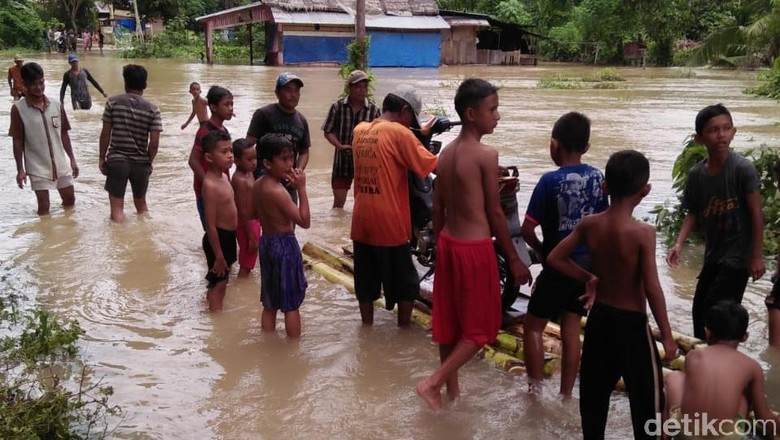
(326, 255)
(502, 360)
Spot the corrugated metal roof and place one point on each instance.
(453, 21)
(372, 21)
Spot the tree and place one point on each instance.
(751, 35)
(72, 7)
(20, 25)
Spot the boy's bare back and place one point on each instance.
(243, 184)
(218, 192)
(201, 108)
(622, 252)
(466, 184)
(718, 379)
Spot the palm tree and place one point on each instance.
(753, 36)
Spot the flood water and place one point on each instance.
(179, 372)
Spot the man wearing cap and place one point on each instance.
(384, 151)
(76, 77)
(342, 118)
(15, 78)
(282, 118)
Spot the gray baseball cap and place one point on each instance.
(410, 95)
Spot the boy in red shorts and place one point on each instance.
(466, 208)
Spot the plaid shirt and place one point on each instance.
(341, 121)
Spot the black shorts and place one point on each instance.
(717, 282)
(119, 172)
(227, 241)
(81, 105)
(555, 293)
(388, 267)
(772, 300)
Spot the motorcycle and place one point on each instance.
(421, 206)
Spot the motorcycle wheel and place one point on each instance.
(509, 292)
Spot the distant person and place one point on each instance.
(342, 118)
(76, 77)
(72, 40)
(101, 39)
(128, 142)
(559, 202)
(467, 214)
(282, 281)
(15, 81)
(86, 37)
(722, 197)
(624, 279)
(42, 148)
(219, 241)
(720, 384)
(220, 101)
(200, 106)
(384, 151)
(243, 181)
(283, 118)
(48, 39)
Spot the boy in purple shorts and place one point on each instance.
(283, 284)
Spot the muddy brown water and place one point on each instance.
(179, 372)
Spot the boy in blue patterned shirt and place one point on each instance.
(559, 201)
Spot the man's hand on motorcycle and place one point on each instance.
(520, 273)
(425, 128)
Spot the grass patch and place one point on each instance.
(558, 82)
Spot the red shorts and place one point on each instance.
(247, 260)
(466, 292)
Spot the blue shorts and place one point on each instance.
(282, 281)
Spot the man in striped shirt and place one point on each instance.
(343, 116)
(129, 142)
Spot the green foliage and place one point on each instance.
(603, 79)
(513, 11)
(605, 74)
(357, 59)
(564, 43)
(20, 25)
(669, 217)
(44, 392)
(558, 82)
(769, 82)
(179, 42)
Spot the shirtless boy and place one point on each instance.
(719, 382)
(200, 106)
(219, 242)
(466, 214)
(283, 284)
(243, 181)
(624, 279)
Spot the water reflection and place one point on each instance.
(180, 372)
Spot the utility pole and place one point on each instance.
(360, 30)
(138, 30)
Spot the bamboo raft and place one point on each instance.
(506, 353)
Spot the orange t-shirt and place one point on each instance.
(15, 75)
(383, 153)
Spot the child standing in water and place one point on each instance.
(720, 384)
(248, 230)
(466, 214)
(283, 284)
(560, 200)
(624, 278)
(221, 104)
(722, 196)
(219, 242)
(200, 106)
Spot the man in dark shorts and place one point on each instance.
(342, 118)
(385, 150)
(283, 118)
(129, 142)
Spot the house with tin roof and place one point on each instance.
(404, 33)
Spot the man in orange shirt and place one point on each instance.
(384, 151)
(15, 82)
